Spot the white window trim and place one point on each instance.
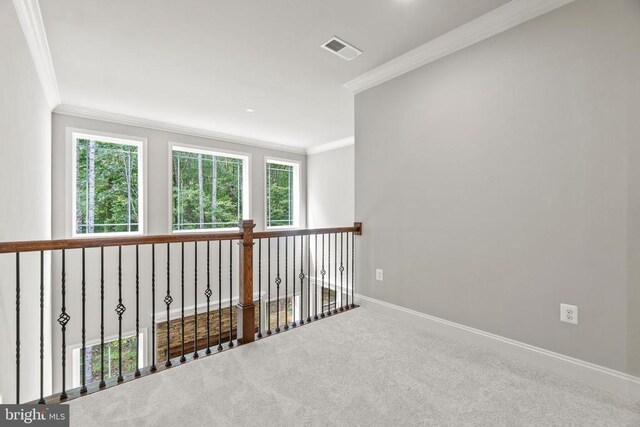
(246, 179)
(296, 193)
(70, 172)
(73, 363)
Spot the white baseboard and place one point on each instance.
(594, 375)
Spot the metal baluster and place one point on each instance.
(329, 275)
(353, 270)
(120, 309)
(83, 350)
(301, 276)
(230, 293)
(286, 283)
(293, 296)
(208, 294)
(278, 282)
(315, 275)
(347, 271)
(168, 299)
(41, 401)
(335, 274)
(137, 373)
(309, 278)
(195, 302)
(259, 288)
(17, 328)
(63, 319)
(341, 271)
(269, 288)
(219, 295)
(153, 308)
(323, 272)
(182, 358)
(102, 383)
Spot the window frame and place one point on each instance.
(296, 192)
(246, 183)
(71, 156)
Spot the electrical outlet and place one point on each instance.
(569, 313)
(379, 275)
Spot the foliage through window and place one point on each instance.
(208, 190)
(281, 194)
(111, 352)
(107, 185)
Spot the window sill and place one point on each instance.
(207, 230)
(107, 235)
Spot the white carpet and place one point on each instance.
(356, 368)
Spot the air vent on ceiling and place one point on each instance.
(341, 48)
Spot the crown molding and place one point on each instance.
(488, 25)
(30, 18)
(333, 145)
(123, 119)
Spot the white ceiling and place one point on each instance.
(202, 63)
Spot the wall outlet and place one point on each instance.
(569, 313)
(379, 275)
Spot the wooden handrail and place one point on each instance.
(102, 242)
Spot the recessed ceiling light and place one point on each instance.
(250, 110)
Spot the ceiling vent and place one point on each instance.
(341, 48)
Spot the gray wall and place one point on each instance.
(331, 187)
(158, 223)
(25, 149)
(501, 181)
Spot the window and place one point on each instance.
(210, 190)
(107, 183)
(93, 365)
(282, 198)
(277, 310)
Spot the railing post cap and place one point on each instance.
(247, 223)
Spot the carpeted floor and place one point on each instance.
(356, 368)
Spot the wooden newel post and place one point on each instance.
(246, 328)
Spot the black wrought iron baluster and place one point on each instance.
(83, 350)
(335, 274)
(63, 319)
(323, 273)
(17, 328)
(168, 299)
(329, 275)
(137, 373)
(353, 270)
(102, 382)
(120, 309)
(341, 271)
(269, 287)
(278, 282)
(41, 401)
(286, 283)
(230, 293)
(309, 278)
(153, 308)
(195, 302)
(208, 294)
(259, 288)
(315, 276)
(301, 276)
(293, 296)
(219, 295)
(346, 307)
(182, 358)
